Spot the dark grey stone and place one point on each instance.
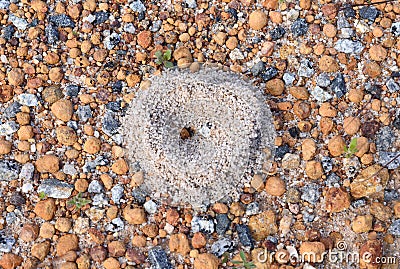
(374, 90)
(257, 68)
(369, 13)
(299, 27)
(158, 258)
(72, 90)
(52, 34)
(223, 223)
(245, 235)
(269, 73)
(139, 195)
(349, 12)
(394, 229)
(338, 85)
(281, 151)
(277, 33)
(100, 17)
(9, 170)
(8, 32)
(62, 20)
(17, 199)
(12, 110)
(294, 132)
(391, 195)
(110, 125)
(114, 106)
(117, 86)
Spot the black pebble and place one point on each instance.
(281, 151)
(294, 132)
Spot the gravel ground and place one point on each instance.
(328, 70)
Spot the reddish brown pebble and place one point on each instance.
(40, 250)
(116, 249)
(206, 261)
(10, 261)
(337, 200)
(179, 243)
(66, 243)
(199, 240)
(16, 77)
(47, 163)
(144, 39)
(275, 186)
(62, 109)
(29, 232)
(45, 209)
(134, 215)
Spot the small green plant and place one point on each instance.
(244, 263)
(78, 201)
(163, 58)
(42, 195)
(351, 149)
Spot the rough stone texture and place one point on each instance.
(176, 104)
(206, 261)
(66, 243)
(262, 225)
(179, 243)
(9, 170)
(337, 199)
(54, 188)
(45, 209)
(159, 259)
(371, 180)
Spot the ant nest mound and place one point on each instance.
(198, 136)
